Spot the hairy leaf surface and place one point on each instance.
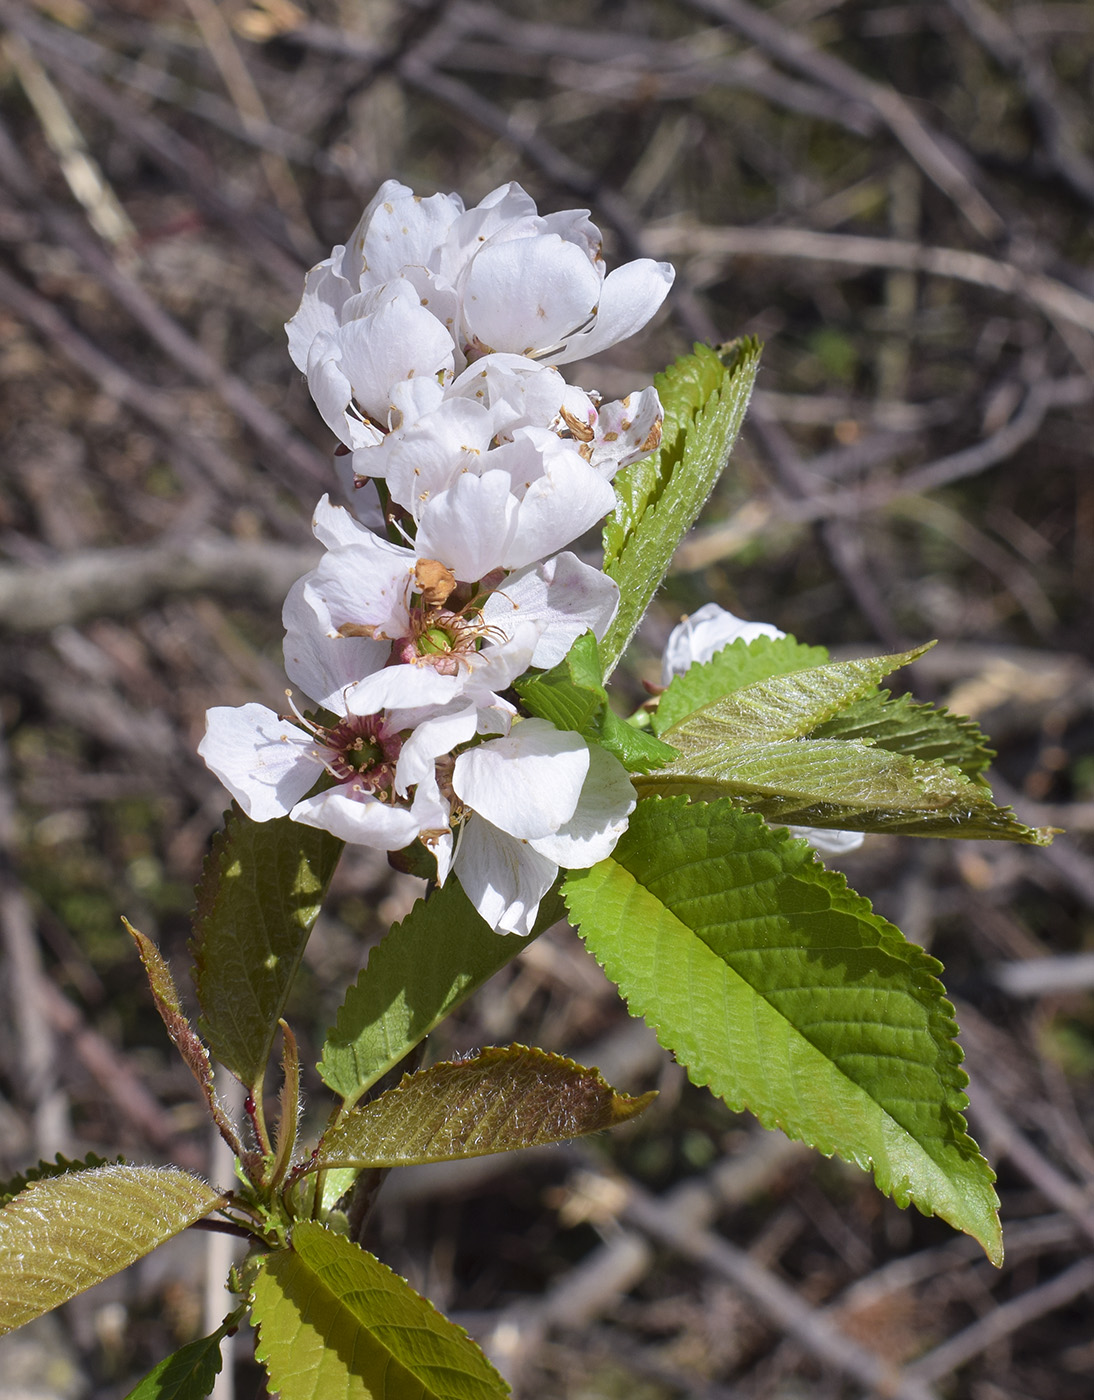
(908, 726)
(187, 1374)
(840, 785)
(60, 1166)
(572, 696)
(739, 664)
(425, 967)
(499, 1100)
(259, 897)
(62, 1234)
(785, 993)
(704, 396)
(785, 706)
(336, 1324)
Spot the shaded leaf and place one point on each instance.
(425, 967)
(908, 726)
(572, 696)
(499, 1100)
(781, 989)
(187, 1374)
(739, 664)
(183, 1036)
(336, 1324)
(63, 1234)
(259, 897)
(704, 395)
(60, 1166)
(841, 785)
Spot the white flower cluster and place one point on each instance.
(429, 344)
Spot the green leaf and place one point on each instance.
(841, 785)
(499, 1100)
(60, 1166)
(739, 664)
(187, 1374)
(785, 706)
(334, 1323)
(425, 967)
(572, 696)
(704, 396)
(62, 1234)
(259, 897)
(781, 989)
(907, 726)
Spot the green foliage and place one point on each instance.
(259, 897)
(63, 1234)
(499, 1100)
(423, 969)
(187, 1374)
(335, 1323)
(785, 705)
(750, 745)
(739, 664)
(60, 1166)
(572, 696)
(907, 726)
(787, 995)
(704, 396)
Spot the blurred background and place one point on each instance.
(897, 198)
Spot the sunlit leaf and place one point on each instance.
(841, 785)
(907, 726)
(785, 706)
(704, 396)
(63, 1234)
(499, 1100)
(785, 993)
(258, 899)
(739, 664)
(425, 967)
(336, 1324)
(60, 1166)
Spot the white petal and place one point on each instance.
(706, 631)
(323, 667)
(528, 783)
(334, 525)
(432, 738)
(363, 585)
(469, 526)
(626, 431)
(829, 843)
(358, 817)
(503, 878)
(403, 229)
(528, 294)
(265, 762)
(607, 800)
(401, 688)
(568, 596)
(568, 499)
(630, 297)
(325, 293)
(400, 340)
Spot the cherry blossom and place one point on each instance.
(425, 287)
